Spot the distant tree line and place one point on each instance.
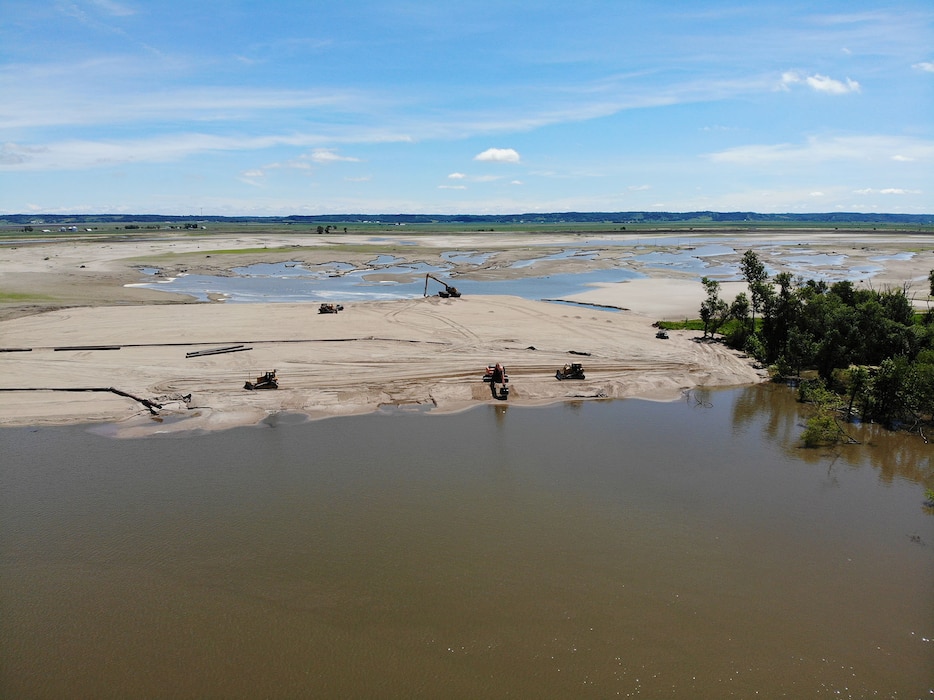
(868, 352)
(618, 217)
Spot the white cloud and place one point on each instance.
(98, 103)
(78, 154)
(498, 155)
(822, 83)
(926, 66)
(789, 78)
(14, 154)
(886, 190)
(452, 187)
(639, 188)
(474, 178)
(516, 182)
(329, 155)
(855, 148)
(114, 8)
(253, 173)
(819, 83)
(289, 164)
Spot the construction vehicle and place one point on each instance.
(572, 370)
(330, 308)
(448, 290)
(496, 374)
(267, 380)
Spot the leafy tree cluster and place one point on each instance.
(867, 346)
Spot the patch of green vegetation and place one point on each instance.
(13, 297)
(245, 251)
(382, 249)
(867, 346)
(685, 325)
(294, 250)
(821, 429)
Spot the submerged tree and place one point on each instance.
(866, 345)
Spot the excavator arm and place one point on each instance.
(449, 291)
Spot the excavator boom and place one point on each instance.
(449, 291)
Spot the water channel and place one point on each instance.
(624, 548)
(388, 277)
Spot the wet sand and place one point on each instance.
(420, 353)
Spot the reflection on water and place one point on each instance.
(894, 455)
(686, 549)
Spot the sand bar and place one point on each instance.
(420, 354)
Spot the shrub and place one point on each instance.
(821, 429)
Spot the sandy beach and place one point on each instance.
(72, 323)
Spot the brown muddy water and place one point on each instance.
(687, 549)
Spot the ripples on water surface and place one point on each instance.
(688, 549)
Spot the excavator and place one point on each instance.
(448, 290)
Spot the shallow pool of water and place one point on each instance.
(278, 283)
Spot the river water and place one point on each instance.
(688, 549)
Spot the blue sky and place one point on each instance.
(508, 106)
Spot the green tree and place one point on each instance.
(739, 311)
(713, 311)
(890, 394)
(781, 310)
(858, 379)
(754, 273)
(874, 333)
(821, 429)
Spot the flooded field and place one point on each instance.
(687, 549)
(536, 273)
